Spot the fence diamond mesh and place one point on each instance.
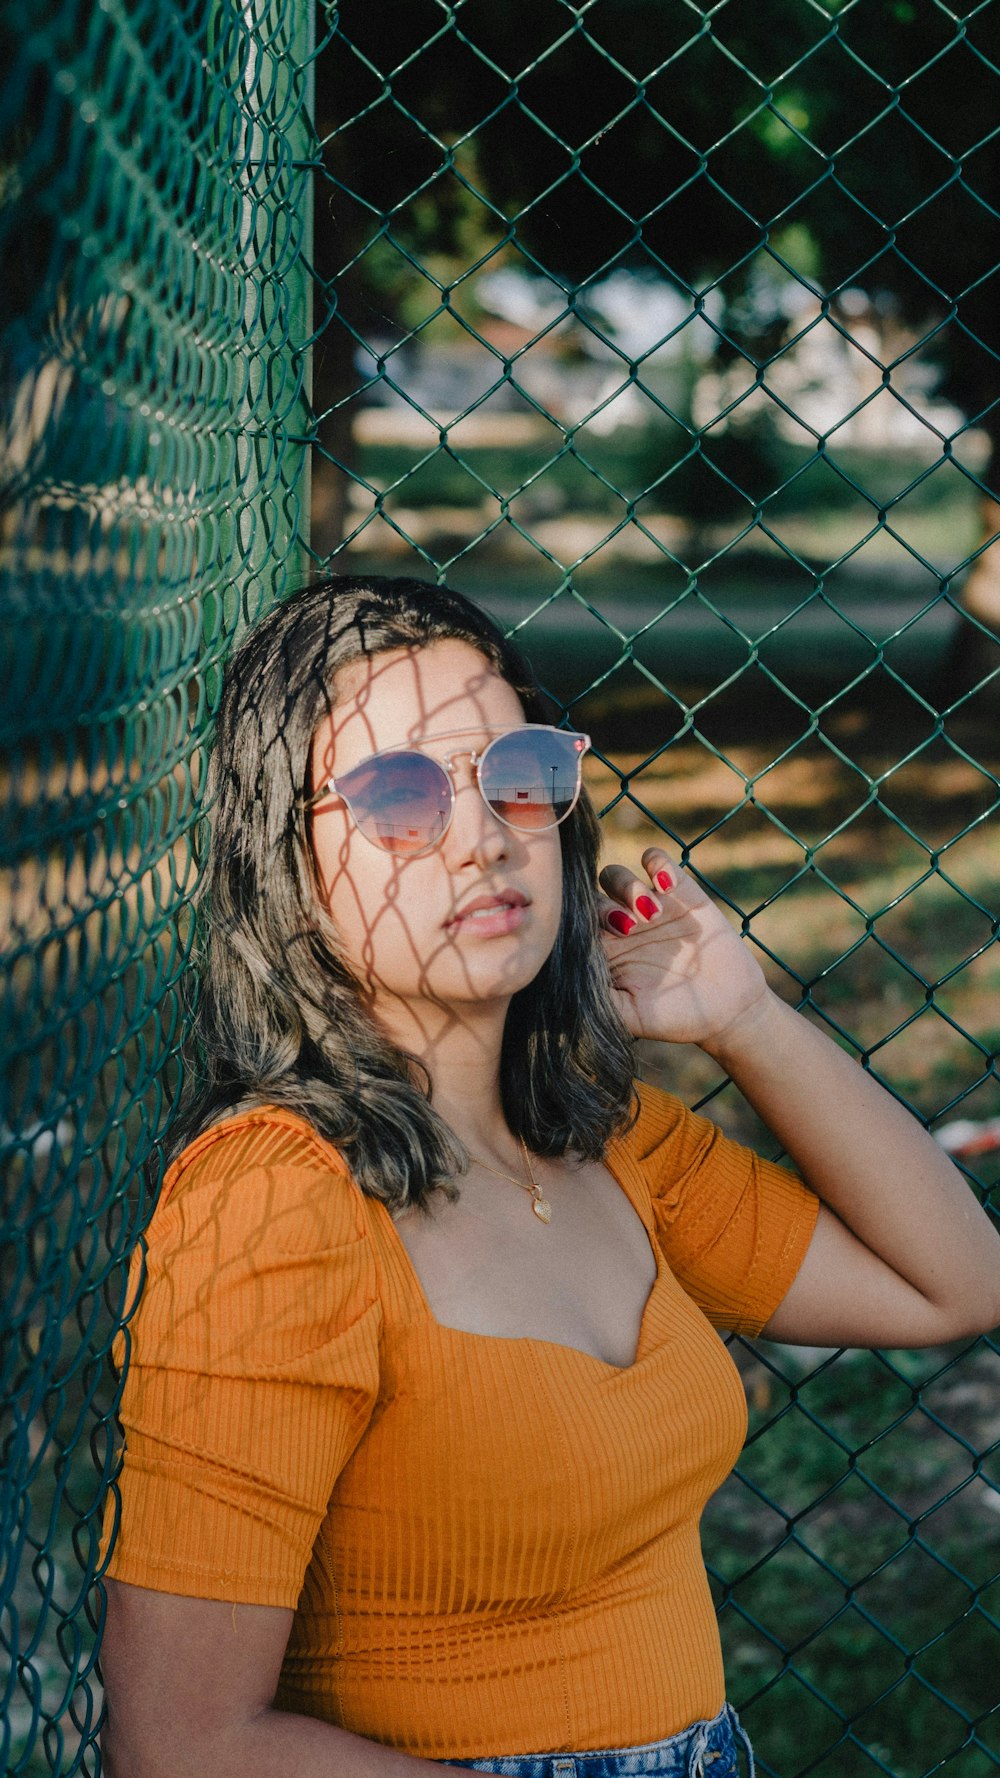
(668, 331)
(154, 219)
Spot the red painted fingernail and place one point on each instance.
(647, 907)
(664, 879)
(622, 923)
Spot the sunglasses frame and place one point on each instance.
(475, 757)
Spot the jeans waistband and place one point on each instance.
(705, 1750)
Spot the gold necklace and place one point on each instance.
(542, 1209)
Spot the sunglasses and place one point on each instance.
(403, 801)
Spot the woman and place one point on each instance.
(414, 1469)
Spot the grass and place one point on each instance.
(868, 1634)
(820, 504)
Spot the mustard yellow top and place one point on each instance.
(491, 1544)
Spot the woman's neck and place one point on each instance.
(460, 1048)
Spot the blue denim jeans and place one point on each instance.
(705, 1750)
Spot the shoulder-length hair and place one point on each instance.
(279, 1019)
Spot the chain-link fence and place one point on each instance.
(153, 232)
(670, 333)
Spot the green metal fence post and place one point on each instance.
(154, 358)
(264, 538)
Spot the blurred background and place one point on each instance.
(670, 332)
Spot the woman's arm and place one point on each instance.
(902, 1253)
(190, 1684)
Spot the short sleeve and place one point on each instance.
(733, 1228)
(254, 1364)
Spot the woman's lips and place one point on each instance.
(490, 916)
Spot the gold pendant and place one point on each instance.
(542, 1210)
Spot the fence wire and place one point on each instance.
(154, 218)
(669, 332)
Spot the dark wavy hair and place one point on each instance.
(279, 1019)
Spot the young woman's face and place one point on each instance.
(399, 920)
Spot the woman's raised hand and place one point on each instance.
(902, 1254)
(681, 973)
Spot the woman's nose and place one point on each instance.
(475, 829)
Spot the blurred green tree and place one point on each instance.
(846, 146)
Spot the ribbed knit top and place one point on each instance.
(491, 1544)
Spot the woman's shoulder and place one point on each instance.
(257, 1257)
(264, 1133)
(263, 1165)
(672, 1145)
(661, 1117)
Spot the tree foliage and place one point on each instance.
(847, 146)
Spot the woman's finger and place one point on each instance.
(623, 887)
(613, 917)
(662, 869)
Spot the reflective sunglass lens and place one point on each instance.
(401, 801)
(531, 779)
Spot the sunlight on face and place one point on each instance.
(395, 914)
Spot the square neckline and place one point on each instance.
(624, 1165)
(624, 1170)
